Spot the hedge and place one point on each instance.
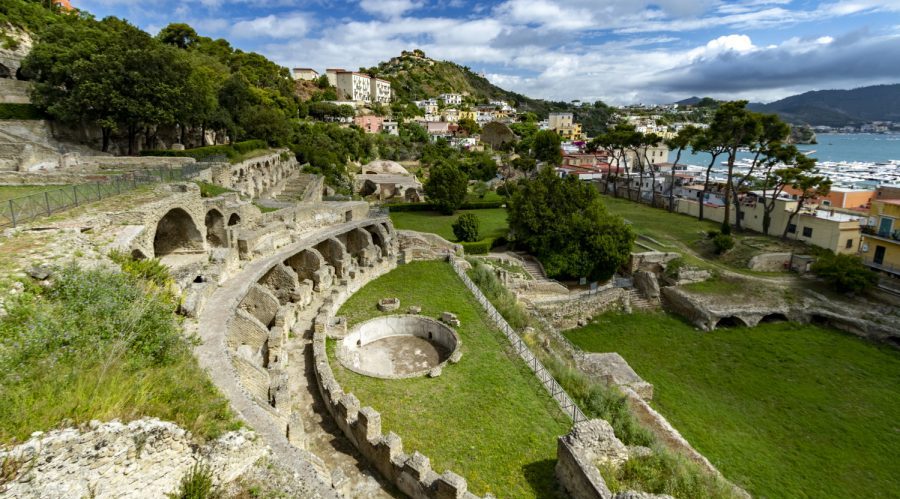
(477, 205)
(20, 112)
(484, 246)
(231, 151)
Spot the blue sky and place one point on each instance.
(620, 51)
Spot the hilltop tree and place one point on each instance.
(776, 177)
(772, 132)
(679, 143)
(565, 224)
(178, 34)
(446, 186)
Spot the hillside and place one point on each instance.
(839, 107)
(414, 76)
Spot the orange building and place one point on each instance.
(841, 197)
(64, 5)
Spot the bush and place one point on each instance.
(249, 145)
(208, 190)
(471, 205)
(664, 472)
(723, 242)
(726, 229)
(20, 112)
(466, 228)
(478, 248)
(150, 270)
(196, 484)
(846, 273)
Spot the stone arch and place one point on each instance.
(336, 255)
(23, 75)
(730, 321)
(137, 254)
(215, 228)
(379, 237)
(774, 317)
(5, 72)
(176, 231)
(309, 264)
(234, 219)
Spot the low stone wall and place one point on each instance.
(770, 262)
(14, 91)
(569, 312)
(143, 458)
(256, 176)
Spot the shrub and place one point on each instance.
(150, 269)
(478, 248)
(711, 234)
(249, 145)
(466, 228)
(723, 242)
(846, 273)
(726, 228)
(664, 472)
(195, 484)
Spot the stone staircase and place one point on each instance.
(534, 269)
(298, 188)
(638, 301)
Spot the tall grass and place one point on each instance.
(99, 344)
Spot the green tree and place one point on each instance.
(524, 163)
(805, 178)
(679, 143)
(707, 142)
(547, 147)
(733, 127)
(846, 273)
(565, 224)
(178, 34)
(469, 126)
(480, 166)
(465, 228)
(446, 186)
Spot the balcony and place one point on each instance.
(890, 269)
(873, 232)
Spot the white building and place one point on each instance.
(451, 99)
(308, 74)
(331, 74)
(380, 91)
(430, 106)
(354, 86)
(560, 120)
(390, 127)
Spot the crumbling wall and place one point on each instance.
(143, 458)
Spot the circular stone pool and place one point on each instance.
(398, 346)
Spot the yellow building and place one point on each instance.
(880, 247)
(463, 114)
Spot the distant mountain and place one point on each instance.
(690, 101)
(839, 107)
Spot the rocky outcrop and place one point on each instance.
(143, 458)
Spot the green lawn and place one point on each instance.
(486, 418)
(493, 222)
(673, 231)
(784, 410)
(8, 192)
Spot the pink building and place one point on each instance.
(369, 123)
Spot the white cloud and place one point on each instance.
(388, 8)
(272, 26)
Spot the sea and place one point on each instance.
(837, 147)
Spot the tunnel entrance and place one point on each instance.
(215, 229)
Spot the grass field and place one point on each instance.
(784, 410)
(8, 192)
(675, 230)
(486, 418)
(493, 222)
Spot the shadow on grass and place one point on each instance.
(541, 476)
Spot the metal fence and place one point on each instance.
(26, 209)
(568, 406)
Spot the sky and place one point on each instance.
(618, 51)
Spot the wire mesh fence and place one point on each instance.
(568, 406)
(25, 209)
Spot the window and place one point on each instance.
(807, 232)
(849, 243)
(792, 228)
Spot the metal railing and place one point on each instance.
(568, 406)
(25, 209)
